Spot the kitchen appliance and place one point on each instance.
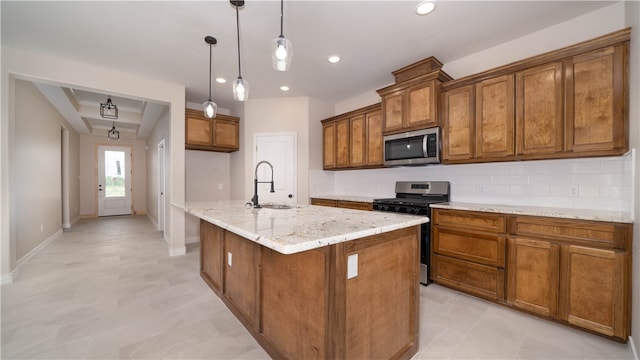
(415, 197)
(412, 148)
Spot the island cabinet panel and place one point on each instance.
(495, 117)
(539, 112)
(211, 240)
(241, 277)
(295, 305)
(596, 97)
(386, 275)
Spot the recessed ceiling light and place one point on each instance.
(220, 80)
(425, 7)
(284, 88)
(333, 59)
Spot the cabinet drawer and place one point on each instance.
(470, 220)
(488, 249)
(481, 280)
(590, 233)
(324, 202)
(356, 205)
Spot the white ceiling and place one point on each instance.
(164, 40)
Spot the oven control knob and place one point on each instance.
(397, 209)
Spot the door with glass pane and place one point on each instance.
(114, 180)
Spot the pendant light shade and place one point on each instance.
(108, 110)
(113, 134)
(240, 85)
(210, 108)
(281, 48)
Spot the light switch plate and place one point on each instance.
(352, 266)
(229, 258)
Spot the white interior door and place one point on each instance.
(114, 180)
(280, 150)
(161, 187)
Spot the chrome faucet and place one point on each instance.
(256, 182)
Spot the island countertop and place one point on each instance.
(301, 228)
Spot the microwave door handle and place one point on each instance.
(424, 146)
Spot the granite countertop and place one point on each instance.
(301, 228)
(364, 199)
(580, 214)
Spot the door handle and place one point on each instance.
(290, 196)
(100, 187)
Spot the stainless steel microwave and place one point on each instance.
(412, 148)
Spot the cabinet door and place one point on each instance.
(329, 146)
(458, 124)
(242, 263)
(595, 98)
(392, 105)
(199, 130)
(593, 289)
(539, 110)
(226, 133)
(357, 140)
(211, 255)
(421, 106)
(374, 148)
(495, 117)
(342, 143)
(533, 276)
(483, 248)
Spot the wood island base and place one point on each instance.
(304, 306)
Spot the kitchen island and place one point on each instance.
(314, 282)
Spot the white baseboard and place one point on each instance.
(153, 221)
(177, 251)
(192, 240)
(633, 348)
(8, 278)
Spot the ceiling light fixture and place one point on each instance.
(425, 7)
(240, 85)
(333, 59)
(284, 88)
(282, 50)
(220, 80)
(210, 108)
(113, 134)
(108, 110)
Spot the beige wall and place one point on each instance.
(633, 20)
(160, 132)
(38, 171)
(89, 176)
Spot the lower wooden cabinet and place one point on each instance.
(356, 205)
(211, 255)
(242, 261)
(575, 272)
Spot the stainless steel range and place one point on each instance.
(414, 197)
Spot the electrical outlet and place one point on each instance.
(352, 266)
(573, 190)
(219, 186)
(229, 258)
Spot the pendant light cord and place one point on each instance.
(238, 32)
(210, 51)
(281, 16)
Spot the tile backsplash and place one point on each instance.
(591, 183)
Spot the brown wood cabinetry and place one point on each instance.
(355, 205)
(353, 140)
(412, 103)
(304, 306)
(211, 255)
(468, 251)
(567, 103)
(218, 134)
(575, 272)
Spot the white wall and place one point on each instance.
(42, 67)
(89, 176)
(38, 176)
(160, 132)
(633, 20)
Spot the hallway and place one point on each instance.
(107, 289)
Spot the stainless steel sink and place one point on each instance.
(276, 206)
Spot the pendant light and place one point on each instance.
(210, 108)
(240, 85)
(282, 48)
(108, 110)
(113, 134)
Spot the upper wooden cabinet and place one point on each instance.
(567, 103)
(353, 140)
(218, 134)
(412, 102)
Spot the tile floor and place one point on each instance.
(107, 289)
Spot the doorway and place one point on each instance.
(114, 180)
(161, 186)
(280, 149)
